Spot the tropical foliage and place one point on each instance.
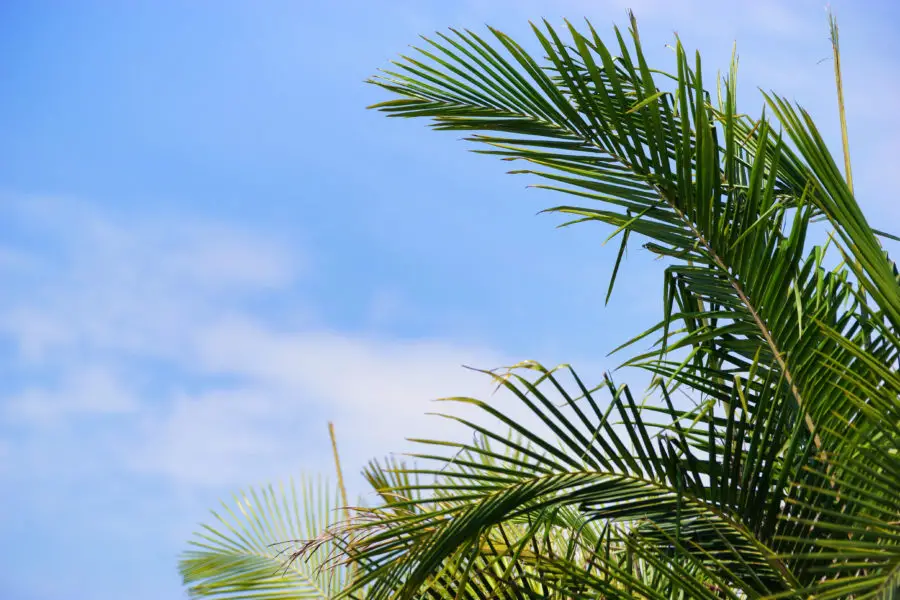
(246, 550)
(780, 478)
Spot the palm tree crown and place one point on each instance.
(781, 479)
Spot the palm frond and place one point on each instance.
(245, 551)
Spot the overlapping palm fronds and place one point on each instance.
(782, 480)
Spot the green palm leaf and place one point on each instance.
(246, 551)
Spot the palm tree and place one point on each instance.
(781, 477)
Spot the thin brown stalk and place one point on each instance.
(340, 475)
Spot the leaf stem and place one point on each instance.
(845, 140)
(340, 475)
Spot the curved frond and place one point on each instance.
(245, 551)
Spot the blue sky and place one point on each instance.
(209, 249)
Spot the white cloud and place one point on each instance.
(142, 326)
(271, 421)
(128, 285)
(215, 437)
(85, 390)
(377, 390)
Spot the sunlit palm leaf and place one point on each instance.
(244, 552)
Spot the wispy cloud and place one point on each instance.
(81, 390)
(146, 333)
(270, 420)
